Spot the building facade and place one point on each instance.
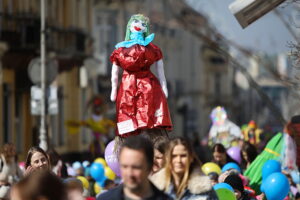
(81, 35)
(68, 24)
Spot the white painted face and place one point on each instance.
(138, 26)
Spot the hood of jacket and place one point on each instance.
(198, 183)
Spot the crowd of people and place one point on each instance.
(156, 169)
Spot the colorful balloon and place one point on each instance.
(109, 173)
(235, 154)
(97, 171)
(270, 167)
(87, 171)
(218, 115)
(225, 194)
(211, 167)
(85, 163)
(84, 181)
(111, 158)
(101, 161)
(262, 186)
(101, 183)
(97, 188)
(76, 165)
(71, 171)
(276, 186)
(22, 165)
(223, 186)
(231, 165)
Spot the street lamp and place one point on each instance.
(43, 137)
(248, 11)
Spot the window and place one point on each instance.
(19, 122)
(61, 119)
(217, 86)
(84, 131)
(7, 113)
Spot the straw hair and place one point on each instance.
(137, 17)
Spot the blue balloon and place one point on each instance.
(101, 183)
(223, 185)
(97, 172)
(87, 171)
(262, 187)
(231, 165)
(276, 186)
(270, 167)
(85, 163)
(76, 165)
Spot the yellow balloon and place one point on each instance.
(109, 173)
(101, 161)
(84, 181)
(211, 167)
(97, 188)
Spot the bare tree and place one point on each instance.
(186, 15)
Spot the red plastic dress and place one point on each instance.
(140, 103)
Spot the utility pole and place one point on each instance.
(43, 136)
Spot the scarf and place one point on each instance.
(136, 38)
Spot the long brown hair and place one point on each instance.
(31, 151)
(193, 162)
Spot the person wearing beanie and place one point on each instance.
(237, 184)
(293, 129)
(213, 176)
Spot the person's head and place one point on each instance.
(213, 176)
(42, 185)
(228, 172)
(37, 159)
(236, 183)
(160, 146)
(8, 151)
(136, 161)
(74, 188)
(79, 171)
(180, 159)
(292, 127)
(54, 157)
(248, 152)
(219, 154)
(137, 23)
(109, 184)
(56, 160)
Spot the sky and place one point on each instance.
(267, 34)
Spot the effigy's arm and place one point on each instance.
(114, 82)
(161, 76)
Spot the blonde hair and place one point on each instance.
(193, 162)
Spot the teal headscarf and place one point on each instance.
(136, 38)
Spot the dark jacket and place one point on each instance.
(117, 194)
(245, 196)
